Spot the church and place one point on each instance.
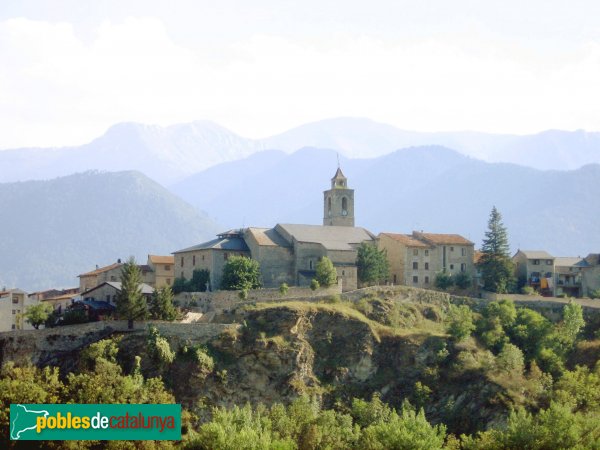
(288, 253)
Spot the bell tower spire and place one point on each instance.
(338, 201)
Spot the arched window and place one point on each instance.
(329, 206)
(344, 206)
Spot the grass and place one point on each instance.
(348, 310)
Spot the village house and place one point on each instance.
(416, 258)
(590, 280)
(109, 290)
(288, 253)
(535, 268)
(157, 272)
(13, 303)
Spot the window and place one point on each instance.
(463, 251)
(167, 268)
(15, 300)
(194, 260)
(202, 257)
(344, 206)
(169, 281)
(329, 206)
(463, 267)
(14, 311)
(415, 279)
(182, 261)
(427, 266)
(182, 274)
(427, 280)
(395, 279)
(343, 273)
(108, 298)
(415, 265)
(113, 278)
(310, 264)
(548, 262)
(13, 327)
(416, 252)
(451, 266)
(426, 252)
(536, 262)
(451, 249)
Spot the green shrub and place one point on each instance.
(314, 285)
(283, 289)
(443, 280)
(460, 322)
(528, 290)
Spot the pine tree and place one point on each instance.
(497, 268)
(131, 304)
(161, 304)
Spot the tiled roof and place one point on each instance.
(436, 238)
(159, 259)
(536, 254)
(146, 289)
(60, 297)
(267, 237)
(230, 243)
(101, 270)
(407, 240)
(568, 261)
(330, 237)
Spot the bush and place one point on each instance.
(462, 280)
(594, 293)
(314, 285)
(283, 289)
(326, 274)
(443, 280)
(460, 322)
(528, 290)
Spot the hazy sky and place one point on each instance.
(69, 69)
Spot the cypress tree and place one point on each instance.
(497, 268)
(131, 304)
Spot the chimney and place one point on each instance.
(119, 260)
(97, 267)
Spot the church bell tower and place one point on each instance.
(338, 203)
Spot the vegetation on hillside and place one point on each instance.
(376, 373)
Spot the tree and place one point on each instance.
(161, 304)
(497, 268)
(573, 322)
(372, 263)
(241, 273)
(131, 304)
(443, 280)
(36, 315)
(314, 284)
(283, 289)
(326, 274)
(460, 322)
(462, 280)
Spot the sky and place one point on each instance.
(69, 69)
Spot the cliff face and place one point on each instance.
(330, 350)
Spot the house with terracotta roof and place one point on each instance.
(416, 258)
(157, 272)
(535, 268)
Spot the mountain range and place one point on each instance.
(170, 154)
(54, 230)
(432, 188)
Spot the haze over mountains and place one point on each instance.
(169, 154)
(54, 230)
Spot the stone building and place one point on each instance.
(13, 303)
(535, 268)
(591, 274)
(288, 253)
(157, 272)
(416, 258)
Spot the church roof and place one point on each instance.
(267, 237)
(228, 243)
(330, 237)
(338, 174)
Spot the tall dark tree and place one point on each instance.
(372, 263)
(131, 304)
(497, 268)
